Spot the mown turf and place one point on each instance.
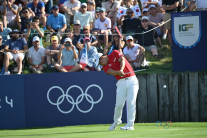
(148, 130)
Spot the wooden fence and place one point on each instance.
(184, 98)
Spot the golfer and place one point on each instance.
(127, 86)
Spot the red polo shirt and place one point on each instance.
(114, 64)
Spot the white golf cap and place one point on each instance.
(152, 6)
(83, 4)
(145, 18)
(68, 40)
(129, 37)
(36, 38)
(145, 10)
(76, 22)
(97, 57)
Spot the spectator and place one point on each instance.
(116, 44)
(1, 44)
(191, 5)
(112, 8)
(201, 5)
(9, 12)
(145, 12)
(84, 16)
(147, 3)
(130, 24)
(157, 18)
(97, 13)
(67, 57)
(4, 32)
(86, 31)
(147, 39)
(169, 7)
(76, 32)
(38, 7)
(103, 28)
(1, 54)
(91, 8)
(134, 53)
(48, 5)
(91, 52)
(34, 30)
(36, 55)
(16, 47)
(56, 21)
(52, 52)
(70, 7)
(25, 19)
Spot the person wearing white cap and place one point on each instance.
(84, 16)
(127, 86)
(67, 57)
(147, 39)
(36, 55)
(145, 12)
(70, 7)
(134, 53)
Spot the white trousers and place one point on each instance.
(127, 89)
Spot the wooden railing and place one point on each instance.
(172, 97)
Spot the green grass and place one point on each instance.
(148, 130)
(160, 64)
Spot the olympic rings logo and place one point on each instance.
(165, 125)
(71, 100)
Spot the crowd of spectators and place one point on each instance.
(78, 29)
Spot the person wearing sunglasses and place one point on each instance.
(86, 31)
(147, 39)
(84, 16)
(67, 56)
(24, 17)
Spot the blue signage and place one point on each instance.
(60, 99)
(12, 113)
(189, 41)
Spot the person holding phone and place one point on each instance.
(67, 57)
(9, 12)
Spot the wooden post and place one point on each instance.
(163, 94)
(202, 83)
(193, 91)
(173, 90)
(152, 103)
(142, 99)
(183, 98)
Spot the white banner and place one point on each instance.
(187, 31)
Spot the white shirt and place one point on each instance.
(84, 19)
(36, 55)
(132, 52)
(201, 3)
(103, 25)
(70, 5)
